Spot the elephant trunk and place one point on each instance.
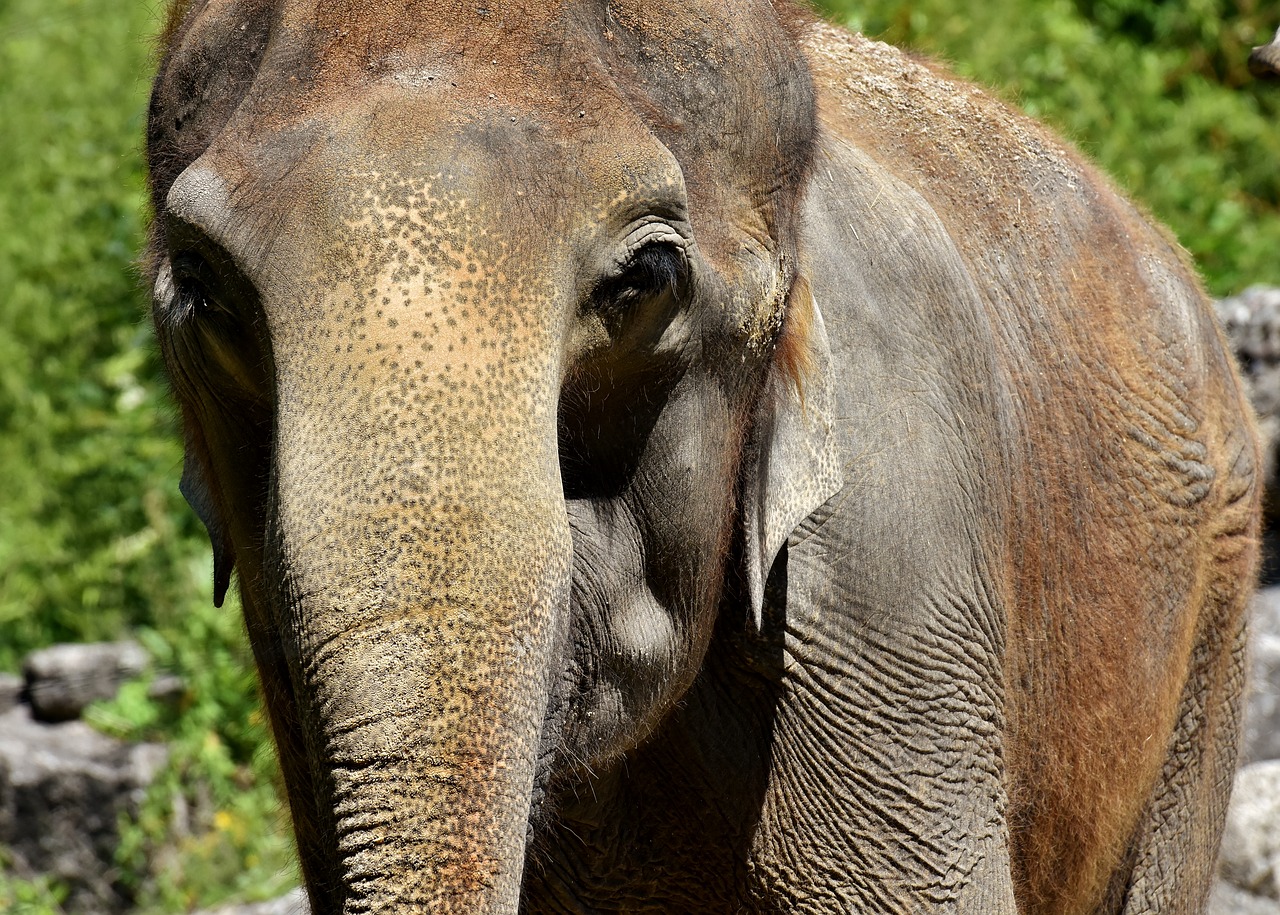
(426, 555)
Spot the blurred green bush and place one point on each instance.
(1157, 92)
(94, 538)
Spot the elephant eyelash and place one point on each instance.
(216, 336)
(192, 300)
(651, 270)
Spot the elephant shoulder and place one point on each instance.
(970, 154)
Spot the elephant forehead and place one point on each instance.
(437, 272)
(492, 173)
(462, 213)
(303, 60)
(684, 69)
(394, 296)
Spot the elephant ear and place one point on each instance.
(796, 466)
(196, 490)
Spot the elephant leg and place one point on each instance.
(1176, 843)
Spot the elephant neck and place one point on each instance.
(685, 804)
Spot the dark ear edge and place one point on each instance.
(793, 465)
(202, 498)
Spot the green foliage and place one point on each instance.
(211, 828)
(1157, 93)
(93, 537)
(1215, 35)
(42, 896)
(95, 541)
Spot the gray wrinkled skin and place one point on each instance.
(679, 457)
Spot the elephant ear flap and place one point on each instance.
(196, 491)
(796, 467)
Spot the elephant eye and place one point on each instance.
(193, 300)
(215, 344)
(190, 300)
(653, 269)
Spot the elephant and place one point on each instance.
(1264, 60)
(687, 457)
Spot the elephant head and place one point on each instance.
(500, 385)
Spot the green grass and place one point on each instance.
(95, 542)
(89, 522)
(42, 896)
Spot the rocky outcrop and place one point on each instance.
(294, 903)
(1262, 715)
(1229, 900)
(63, 786)
(1252, 322)
(11, 690)
(61, 681)
(1249, 863)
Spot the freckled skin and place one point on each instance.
(690, 459)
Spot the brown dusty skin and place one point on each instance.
(1085, 701)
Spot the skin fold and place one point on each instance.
(683, 457)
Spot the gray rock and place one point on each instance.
(167, 688)
(1250, 857)
(1265, 612)
(11, 689)
(63, 679)
(1252, 322)
(294, 903)
(1226, 899)
(62, 789)
(1262, 710)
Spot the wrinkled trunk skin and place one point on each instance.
(419, 526)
